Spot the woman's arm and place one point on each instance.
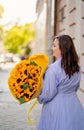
(49, 89)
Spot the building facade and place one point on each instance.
(55, 17)
(69, 19)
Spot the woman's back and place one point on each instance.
(66, 84)
(62, 109)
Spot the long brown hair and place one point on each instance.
(69, 55)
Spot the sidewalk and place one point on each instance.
(13, 116)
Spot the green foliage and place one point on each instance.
(18, 37)
(27, 50)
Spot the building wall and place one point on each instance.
(70, 20)
(82, 43)
(44, 27)
(40, 26)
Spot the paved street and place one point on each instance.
(13, 116)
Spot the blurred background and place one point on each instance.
(27, 27)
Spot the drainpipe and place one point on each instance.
(49, 28)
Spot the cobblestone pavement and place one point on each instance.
(13, 116)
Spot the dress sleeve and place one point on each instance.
(49, 89)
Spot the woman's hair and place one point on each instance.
(69, 55)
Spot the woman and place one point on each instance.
(62, 109)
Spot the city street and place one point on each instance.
(14, 116)
(54, 28)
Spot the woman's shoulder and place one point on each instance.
(56, 64)
(54, 68)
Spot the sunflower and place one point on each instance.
(25, 79)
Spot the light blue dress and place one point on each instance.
(61, 109)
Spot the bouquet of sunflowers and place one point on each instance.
(25, 80)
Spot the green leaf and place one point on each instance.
(22, 100)
(27, 50)
(25, 86)
(33, 63)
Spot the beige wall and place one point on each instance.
(70, 20)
